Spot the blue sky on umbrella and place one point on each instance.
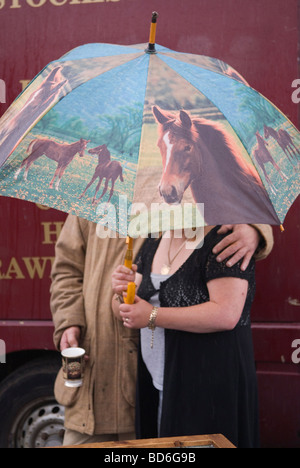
(107, 93)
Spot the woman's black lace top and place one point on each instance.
(188, 286)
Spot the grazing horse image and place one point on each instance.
(106, 169)
(62, 153)
(200, 154)
(262, 157)
(284, 140)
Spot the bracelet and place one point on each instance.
(151, 323)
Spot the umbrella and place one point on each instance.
(112, 133)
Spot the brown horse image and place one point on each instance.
(106, 169)
(262, 156)
(200, 154)
(62, 153)
(284, 140)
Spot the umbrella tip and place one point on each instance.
(154, 16)
(151, 45)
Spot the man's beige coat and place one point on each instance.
(81, 296)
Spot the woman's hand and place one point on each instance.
(121, 277)
(136, 315)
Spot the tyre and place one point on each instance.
(30, 417)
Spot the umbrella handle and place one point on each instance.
(129, 253)
(151, 46)
(129, 299)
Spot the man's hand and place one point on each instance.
(240, 244)
(70, 338)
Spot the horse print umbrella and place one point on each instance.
(109, 132)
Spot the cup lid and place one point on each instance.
(73, 352)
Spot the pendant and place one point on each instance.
(165, 269)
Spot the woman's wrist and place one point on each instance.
(152, 318)
(152, 322)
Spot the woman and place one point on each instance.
(196, 370)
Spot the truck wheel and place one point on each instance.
(29, 415)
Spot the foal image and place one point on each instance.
(106, 169)
(62, 153)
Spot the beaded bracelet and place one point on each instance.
(151, 323)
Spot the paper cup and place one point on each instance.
(73, 366)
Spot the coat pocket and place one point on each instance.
(67, 396)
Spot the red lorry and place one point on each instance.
(260, 40)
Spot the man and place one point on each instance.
(104, 407)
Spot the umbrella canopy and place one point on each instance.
(107, 132)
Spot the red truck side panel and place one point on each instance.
(260, 40)
(22, 335)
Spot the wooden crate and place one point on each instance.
(201, 441)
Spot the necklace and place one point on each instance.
(165, 269)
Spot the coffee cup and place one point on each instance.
(73, 366)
